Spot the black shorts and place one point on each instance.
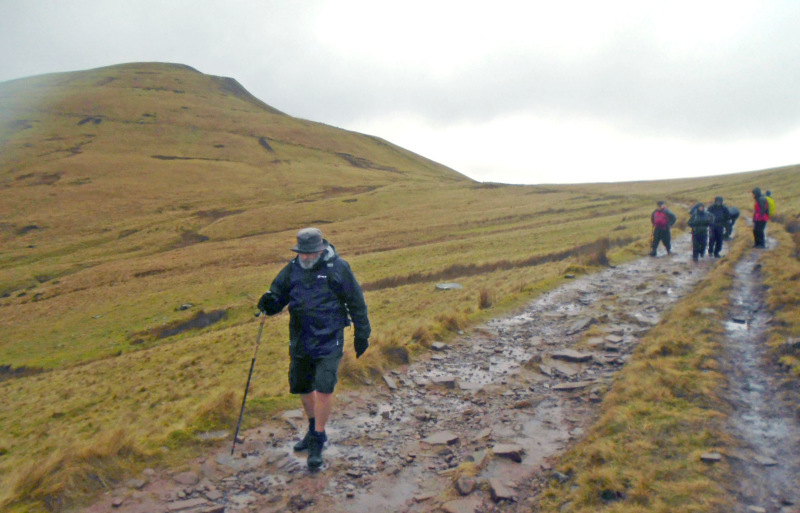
(313, 374)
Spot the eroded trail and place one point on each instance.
(764, 418)
(508, 396)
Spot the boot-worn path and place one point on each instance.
(764, 402)
(508, 396)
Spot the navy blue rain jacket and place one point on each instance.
(722, 216)
(321, 301)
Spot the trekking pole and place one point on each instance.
(249, 375)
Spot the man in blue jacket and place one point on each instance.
(722, 218)
(322, 295)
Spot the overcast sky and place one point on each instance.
(503, 91)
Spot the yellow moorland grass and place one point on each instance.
(781, 272)
(127, 192)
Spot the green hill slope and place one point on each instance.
(140, 202)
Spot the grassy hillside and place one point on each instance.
(139, 200)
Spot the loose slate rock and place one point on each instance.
(461, 506)
(570, 355)
(711, 457)
(500, 492)
(444, 381)
(442, 438)
(449, 286)
(438, 346)
(186, 478)
(581, 324)
(390, 382)
(573, 386)
(187, 504)
(510, 451)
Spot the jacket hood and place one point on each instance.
(329, 254)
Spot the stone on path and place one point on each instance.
(711, 457)
(187, 504)
(581, 324)
(439, 346)
(461, 506)
(510, 451)
(390, 382)
(444, 381)
(500, 492)
(570, 355)
(465, 485)
(765, 461)
(573, 385)
(441, 438)
(186, 478)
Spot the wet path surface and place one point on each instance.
(472, 428)
(764, 420)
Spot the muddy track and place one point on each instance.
(505, 398)
(764, 418)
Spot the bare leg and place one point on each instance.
(322, 409)
(308, 404)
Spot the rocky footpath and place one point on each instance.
(474, 427)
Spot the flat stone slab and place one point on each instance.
(711, 457)
(390, 382)
(570, 355)
(444, 381)
(500, 492)
(187, 504)
(186, 478)
(439, 346)
(765, 461)
(577, 385)
(581, 324)
(510, 451)
(461, 506)
(441, 438)
(449, 286)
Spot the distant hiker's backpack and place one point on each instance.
(771, 203)
(660, 219)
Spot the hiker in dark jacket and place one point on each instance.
(700, 222)
(733, 215)
(760, 218)
(662, 220)
(721, 220)
(322, 295)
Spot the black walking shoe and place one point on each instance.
(302, 445)
(315, 443)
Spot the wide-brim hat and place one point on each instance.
(309, 240)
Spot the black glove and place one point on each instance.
(265, 303)
(361, 345)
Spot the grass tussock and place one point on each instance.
(781, 272)
(64, 477)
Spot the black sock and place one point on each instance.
(312, 424)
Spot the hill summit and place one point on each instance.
(136, 140)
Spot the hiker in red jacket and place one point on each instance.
(760, 218)
(662, 220)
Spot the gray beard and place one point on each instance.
(308, 264)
